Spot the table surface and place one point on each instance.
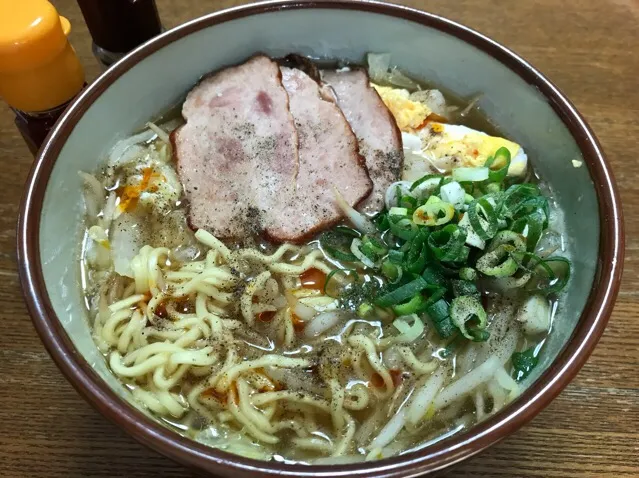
(588, 48)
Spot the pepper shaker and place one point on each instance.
(119, 26)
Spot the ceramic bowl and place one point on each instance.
(518, 99)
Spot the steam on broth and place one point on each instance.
(386, 331)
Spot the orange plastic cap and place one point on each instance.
(38, 68)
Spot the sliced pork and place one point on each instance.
(379, 137)
(237, 154)
(328, 158)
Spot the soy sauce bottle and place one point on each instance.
(40, 73)
(119, 26)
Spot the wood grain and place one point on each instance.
(588, 48)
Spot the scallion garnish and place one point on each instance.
(434, 214)
(447, 244)
(332, 273)
(498, 165)
(498, 263)
(470, 174)
(438, 314)
(468, 274)
(415, 304)
(336, 243)
(393, 272)
(402, 227)
(443, 238)
(402, 293)
(469, 309)
(523, 363)
(425, 178)
(483, 218)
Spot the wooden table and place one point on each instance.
(589, 49)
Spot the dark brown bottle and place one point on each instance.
(119, 26)
(35, 126)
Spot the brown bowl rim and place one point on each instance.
(436, 457)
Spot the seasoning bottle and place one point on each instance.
(39, 71)
(118, 26)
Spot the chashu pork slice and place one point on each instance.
(380, 140)
(328, 158)
(237, 154)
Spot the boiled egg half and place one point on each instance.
(443, 147)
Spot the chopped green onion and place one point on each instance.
(498, 263)
(464, 287)
(453, 193)
(424, 249)
(398, 211)
(402, 293)
(402, 227)
(451, 346)
(434, 213)
(340, 255)
(381, 221)
(408, 333)
(529, 205)
(551, 275)
(447, 244)
(523, 363)
(561, 267)
(463, 175)
(522, 199)
(356, 293)
(492, 188)
(348, 231)
(417, 254)
(468, 273)
(395, 257)
(334, 242)
(392, 272)
(338, 271)
(437, 294)
(364, 309)
(442, 183)
(356, 249)
(438, 314)
(433, 275)
(477, 334)
(411, 306)
(464, 309)
(507, 237)
(502, 156)
(418, 303)
(372, 248)
(517, 280)
(409, 201)
(472, 239)
(489, 218)
(464, 252)
(418, 264)
(425, 178)
(533, 226)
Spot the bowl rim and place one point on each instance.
(571, 358)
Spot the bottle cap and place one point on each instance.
(39, 69)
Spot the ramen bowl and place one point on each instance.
(518, 99)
